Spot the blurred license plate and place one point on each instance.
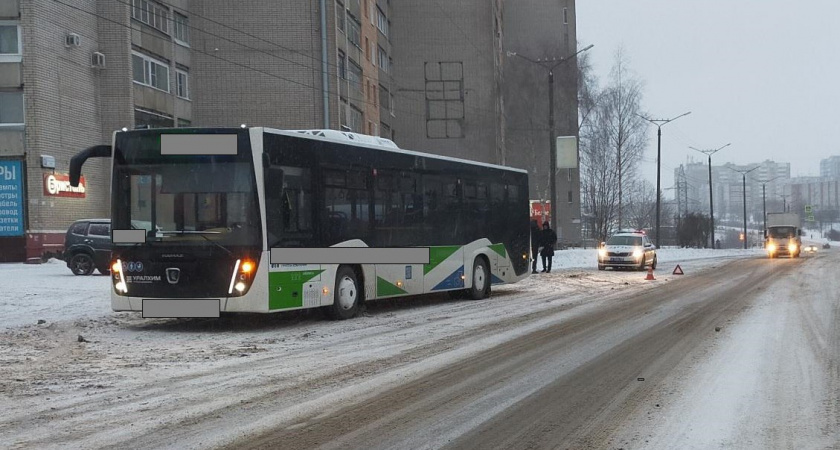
(616, 259)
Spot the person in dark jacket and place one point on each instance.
(547, 241)
(536, 237)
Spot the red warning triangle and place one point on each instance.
(678, 270)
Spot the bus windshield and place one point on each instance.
(193, 199)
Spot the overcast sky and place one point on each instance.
(761, 74)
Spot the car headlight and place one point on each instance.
(602, 253)
(637, 253)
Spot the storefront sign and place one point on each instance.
(11, 198)
(58, 185)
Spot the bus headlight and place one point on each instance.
(117, 277)
(243, 274)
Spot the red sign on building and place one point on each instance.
(541, 211)
(58, 185)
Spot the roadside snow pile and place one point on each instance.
(52, 293)
(588, 258)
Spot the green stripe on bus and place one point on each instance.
(500, 249)
(384, 288)
(285, 289)
(437, 255)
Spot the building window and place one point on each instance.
(182, 84)
(386, 130)
(10, 47)
(391, 104)
(571, 199)
(367, 49)
(342, 65)
(355, 120)
(444, 91)
(11, 108)
(381, 22)
(354, 74)
(151, 14)
(383, 61)
(565, 15)
(150, 72)
(182, 29)
(383, 97)
(152, 119)
(342, 115)
(184, 123)
(340, 16)
(353, 33)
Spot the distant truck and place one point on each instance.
(782, 236)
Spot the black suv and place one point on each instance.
(87, 246)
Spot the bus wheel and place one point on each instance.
(346, 295)
(481, 280)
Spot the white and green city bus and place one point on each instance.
(196, 212)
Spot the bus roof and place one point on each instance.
(363, 140)
(342, 137)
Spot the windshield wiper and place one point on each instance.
(187, 232)
(202, 234)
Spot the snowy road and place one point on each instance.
(552, 361)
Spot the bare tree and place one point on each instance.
(612, 140)
(641, 204)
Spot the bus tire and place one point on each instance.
(481, 280)
(346, 295)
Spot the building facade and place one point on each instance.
(461, 92)
(765, 186)
(433, 76)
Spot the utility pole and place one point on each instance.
(551, 64)
(709, 153)
(659, 123)
(744, 181)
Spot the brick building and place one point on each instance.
(433, 76)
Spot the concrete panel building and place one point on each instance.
(70, 74)
(433, 76)
(459, 93)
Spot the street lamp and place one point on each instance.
(764, 196)
(784, 201)
(744, 176)
(551, 64)
(659, 123)
(711, 192)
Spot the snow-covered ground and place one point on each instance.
(176, 371)
(51, 292)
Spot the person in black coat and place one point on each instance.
(547, 241)
(536, 237)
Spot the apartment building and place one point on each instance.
(70, 74)
(765, 185)
(460, 92)
(433, 76)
